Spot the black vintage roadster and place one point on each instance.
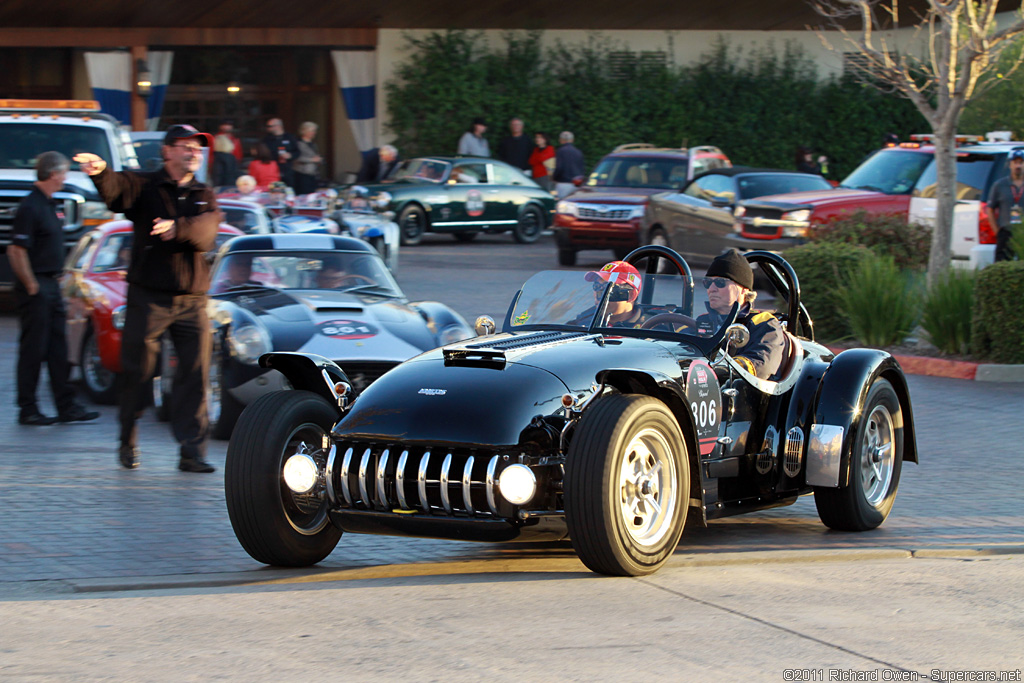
(565, 426)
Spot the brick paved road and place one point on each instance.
(67, 511)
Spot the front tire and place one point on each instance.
(874, 467)
(272, 523)
(100, 384)
(529, 226)
(412, 223)
(627, 486)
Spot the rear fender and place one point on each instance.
(310, 372)
(842, 392)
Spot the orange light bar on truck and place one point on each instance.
(66, 105)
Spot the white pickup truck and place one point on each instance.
(31, 127)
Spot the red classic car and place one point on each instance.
(94, 294)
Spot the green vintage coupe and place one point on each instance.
(465, 196)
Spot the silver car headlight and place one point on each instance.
(94, 213)
(567, 208)
(248, 342)
(455, 332)
(382, 200)
(117, 317)
(799, 215)
(637, 212)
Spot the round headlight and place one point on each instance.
(382, 200)
(117, 317)
(249, 342)
(301, 473)
(517, 484)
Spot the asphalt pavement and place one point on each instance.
(71, 514)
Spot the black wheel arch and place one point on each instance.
(415, 203)
(843, 391)
(309, 372)
(546, 219)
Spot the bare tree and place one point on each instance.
(951, 57)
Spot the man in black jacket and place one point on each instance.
(515, 148)
(175, 221)
(377, 164)
(284, 146)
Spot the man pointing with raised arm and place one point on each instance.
(175, 220)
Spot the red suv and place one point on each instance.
(606, 212)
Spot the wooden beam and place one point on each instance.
(215, 37)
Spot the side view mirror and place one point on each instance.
(485, 325)
(738, 335)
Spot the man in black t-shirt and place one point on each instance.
(515, 149)
(36, 255)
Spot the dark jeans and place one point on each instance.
(43, 339)
(225, 169)
(1003, 250)
(151, 314)
(305, 183)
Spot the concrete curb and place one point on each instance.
(551, 565)
(955, 369)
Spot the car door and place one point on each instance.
(507, 185)
(700, 228)
(468, 196)
(76, 306)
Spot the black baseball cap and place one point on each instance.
(183, 131)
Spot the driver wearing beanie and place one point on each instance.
(730, 280)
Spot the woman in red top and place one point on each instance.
(542, 161)
(264, 167)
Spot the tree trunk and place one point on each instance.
(945, 170)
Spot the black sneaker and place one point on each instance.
(36, 419)
(128, 456)
(77, 413)
(195, 465)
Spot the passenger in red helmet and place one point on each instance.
(626, 283)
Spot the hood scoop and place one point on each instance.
(337, 309)
(496, 353)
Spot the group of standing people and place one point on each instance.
(279, 156)
(561, 170)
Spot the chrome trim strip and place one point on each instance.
(400, 480)
(332, 497)
(467, 483)
(491, 483)
(475, 223)
(824, 455)
(364, 464)
(421, 481)
(382, 465)
(445, 500)
(346, 463)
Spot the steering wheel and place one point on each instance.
(662, 318)
(356, 277)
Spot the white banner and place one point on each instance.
(357, 76)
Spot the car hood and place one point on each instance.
(74, 181)
(613, 195)
(486, 391)
(335, 325)
(815, 198)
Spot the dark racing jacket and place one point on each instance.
(762, 354)
(177, 266)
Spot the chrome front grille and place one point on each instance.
(433, 481)
(604, 213)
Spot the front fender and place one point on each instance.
(842, 392)
(310, 372)
(438, 317)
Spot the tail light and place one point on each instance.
(986, 235)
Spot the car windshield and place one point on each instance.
(973, 173)
(581, 300)
(336, 270)
(114, 253)
(245, 219)
(892, 171)
(764, 184)
(421, 170)
(640, 171)
(21, 143)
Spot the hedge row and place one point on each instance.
(997, 330)
(758, 106)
